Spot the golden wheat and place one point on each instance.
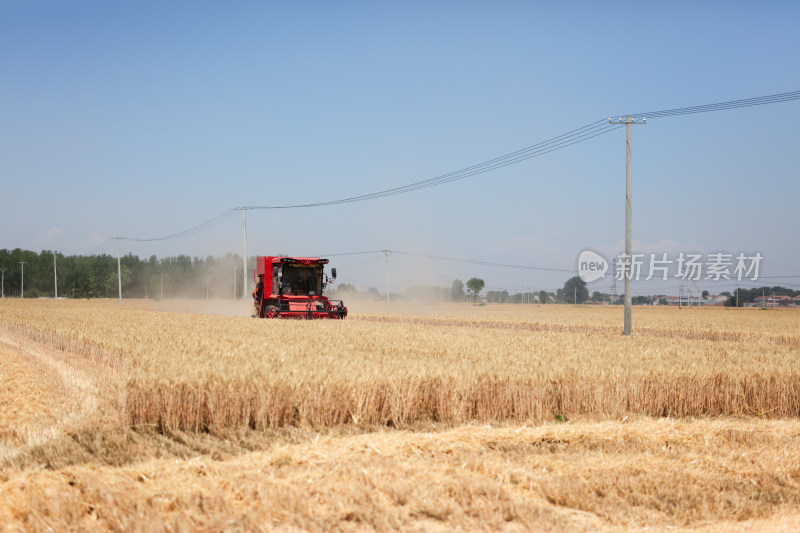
(200, 372)
(131, 391)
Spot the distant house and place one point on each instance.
(779, 300)
(684, 300)
(714, 301)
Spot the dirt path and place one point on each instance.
(44, 392)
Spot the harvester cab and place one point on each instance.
(292, 287)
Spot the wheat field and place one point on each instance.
(491, 417)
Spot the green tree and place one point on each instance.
(543, 297)
(457, 290)
(575, 290)
(475, 285)
(499, 297)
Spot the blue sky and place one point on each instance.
(143, 119)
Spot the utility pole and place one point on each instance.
(22, 280)
(628, 258)
(614, 285)
(737, 296)
(162, 284)
(119, 273)
(55, 274)
(386, 257)
(244, 259)
(2, 283)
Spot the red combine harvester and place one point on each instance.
(291, 287)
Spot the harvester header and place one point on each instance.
(292, 287)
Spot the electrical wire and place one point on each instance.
(578, 135)
(355, 253)
(453, 259)
(575, 136)
(101, 248)
(721, 106)
(670, 286)
(484, 263)
(584, 133)
(205, 226)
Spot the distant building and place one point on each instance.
(779, 300)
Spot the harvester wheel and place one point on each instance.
(271, 311)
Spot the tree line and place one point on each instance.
(744, 297)
(95, 276)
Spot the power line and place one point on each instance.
(575, 136)
(484, 263)
(578, 135)
(454, 259)
(101, 248)
(584, 133)
(722, 106)
(205, 226)
(353, 253)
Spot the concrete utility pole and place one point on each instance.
(386, 257)
(119, 273)
(2, 282)
(22, 280)
(55, 274)
(628, 259)
(244, 259)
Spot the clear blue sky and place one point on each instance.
(146, 118)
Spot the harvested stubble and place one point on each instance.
(658, 475)
(199, 372)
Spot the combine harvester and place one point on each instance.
(294, 289)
